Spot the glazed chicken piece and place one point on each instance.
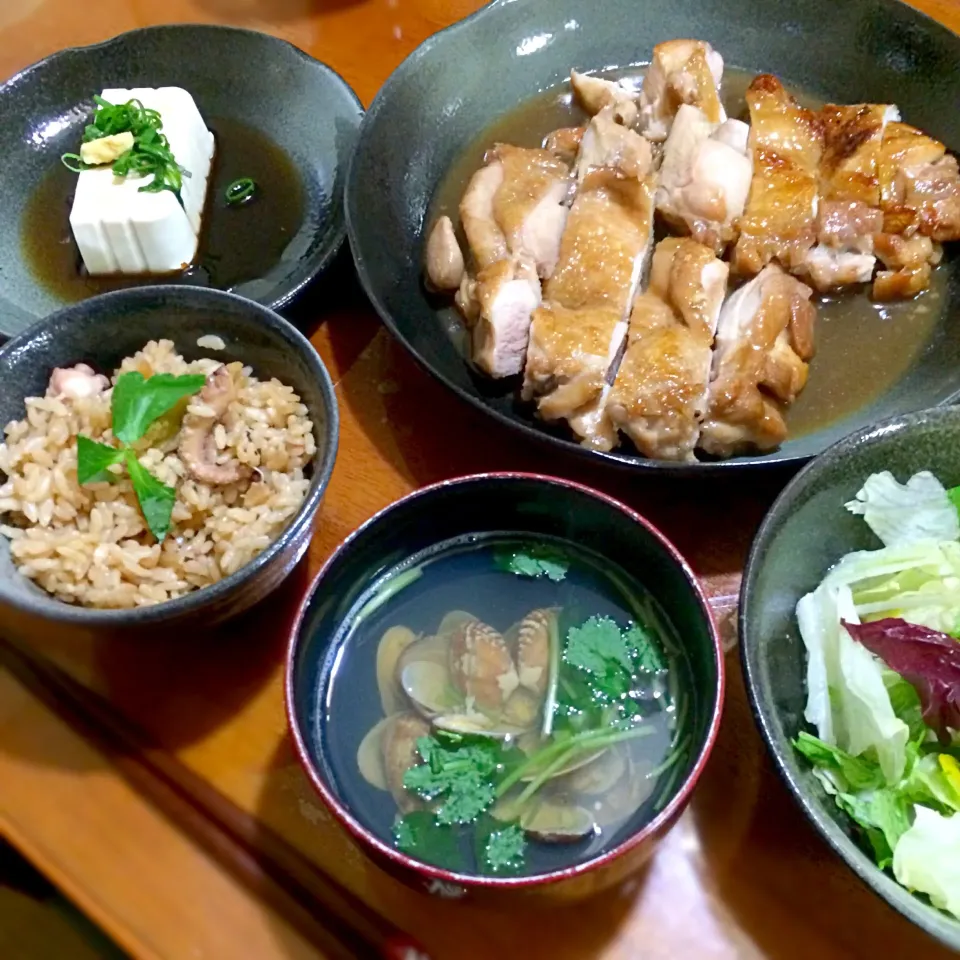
(513, 213)
(660, 394)
(607, 143)
(849, 214)
(578, 332)
(920, 199)
(445, 266)
(705, 177)
(909, 263)
(564, 143)
(919, 185)
(763, 345)
(681, 71)
(516, 204)
(498, 306)
(780, 220)
(595, 94)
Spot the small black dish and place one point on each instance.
(101, 332)
(805, 533)
(242, 81)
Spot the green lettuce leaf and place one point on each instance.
(927, 858)
(884, 815)
(847, 699)
(906, 513)
(858, 773)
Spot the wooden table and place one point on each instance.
(159, 786)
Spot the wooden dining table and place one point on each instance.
(158, 785)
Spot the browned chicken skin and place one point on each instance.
(681, 71)
(577, 333)
(705, 177)
(564, 143)
(513, 213)
(920, 198)
(660, 393)
(595, 94)
(849, 214)
(780, 220)
(764, 341)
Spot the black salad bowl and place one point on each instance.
(805, 533)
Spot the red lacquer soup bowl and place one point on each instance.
(483, 506)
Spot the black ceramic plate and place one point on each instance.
(266, 84)
(442, 98)
(805, 533)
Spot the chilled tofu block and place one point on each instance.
(121, 229)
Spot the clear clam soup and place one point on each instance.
(506, 706)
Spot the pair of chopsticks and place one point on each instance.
(322, 909)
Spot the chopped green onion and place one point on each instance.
(240, 191)
(150, 154)
(73, 162)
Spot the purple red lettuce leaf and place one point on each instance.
(925, 658)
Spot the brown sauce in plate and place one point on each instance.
(237, 243)
(863, 348)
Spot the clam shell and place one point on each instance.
(436, 649)
(481, 666)
(533, 650)
(391, 647)
(398, 743)
(557, 823)
(625, 797)
(453, 621)
(599, 775)
(506, 809)
(428, 686)
(370, 756)
(522, 709)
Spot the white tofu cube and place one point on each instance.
(119, 228)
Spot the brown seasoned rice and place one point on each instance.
(89, 545)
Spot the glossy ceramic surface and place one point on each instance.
(441, 98)
(101, 332)
(525, 504)
(807, 531)
(297, 102)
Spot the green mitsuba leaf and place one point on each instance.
(137, 401)
(156, 498)
(93, 458)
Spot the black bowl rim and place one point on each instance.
(646, 833)
(339, 230)
(935, 922)
(61, 612)
(621, 461)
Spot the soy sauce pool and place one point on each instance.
(237, 243)
(880, 342)
(620, 788)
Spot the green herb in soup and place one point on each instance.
(523, 731)
(534, 561)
